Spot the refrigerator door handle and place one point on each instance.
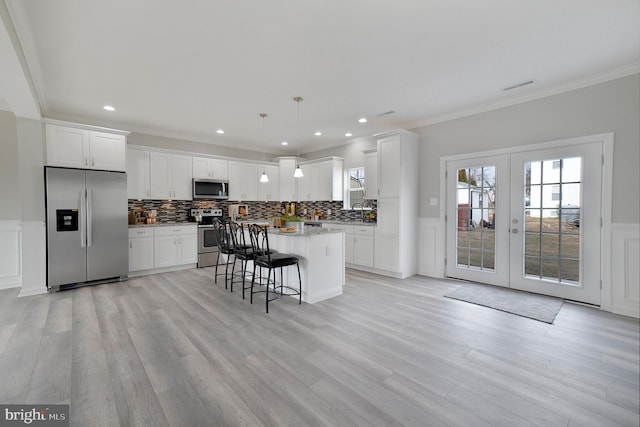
(89, 220)
(81, 215)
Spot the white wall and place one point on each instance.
(606, 107)
(9, 177)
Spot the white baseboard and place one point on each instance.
(10, 254)
(431, 247)
(624, 279)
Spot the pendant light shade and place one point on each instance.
(263, 177)
(298, 172)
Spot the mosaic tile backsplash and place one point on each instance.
(178, 210)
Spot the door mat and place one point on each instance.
(538, 307)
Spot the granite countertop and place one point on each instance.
(348, 222)
(163, 224)
(308, 231)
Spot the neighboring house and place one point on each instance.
(555, 184)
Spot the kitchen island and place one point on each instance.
(321, 256)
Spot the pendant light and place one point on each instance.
(263, 177)
(298, 172)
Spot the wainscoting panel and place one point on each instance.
(625, 269)
(34, 258)
(431, 247)
(10, 259)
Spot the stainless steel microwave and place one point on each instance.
(210, 189)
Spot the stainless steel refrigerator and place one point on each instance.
(87, 227)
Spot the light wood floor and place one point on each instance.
(175, 349)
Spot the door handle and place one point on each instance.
(514, 230)
(81, 215)
(89, 219)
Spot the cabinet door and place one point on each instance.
(371, 175)
(387, 236)
(138, 174)
(141, 253)
(219, 169)
(160, 175)
(164, 248)
(181, 177)
(322, 182)
(250, 181)
(235, 181)
(67, 147)
(107, 151)
(363, 250)
(286, 182)
(268, 191)
(389, 166)
(187, 249)
(348, 248)
(306, 183)
(202, 168)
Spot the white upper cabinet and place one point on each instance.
(138, 180)
(208, 168)
(268, 191)
(322, 180)
(286, 182)
(171, 176)
(243, 181)
(81, 148)
(389, 166)
(371, 174)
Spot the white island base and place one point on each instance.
(321, 257)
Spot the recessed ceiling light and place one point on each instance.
(284, 143)
(220, 131)
(348, 134)
(109, 108)
(318, 133)
(362, 120)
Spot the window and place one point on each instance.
(354, 191)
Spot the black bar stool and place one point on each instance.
(242, 251)
(263, 257)
(225, 246)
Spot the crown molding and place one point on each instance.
(555, 90)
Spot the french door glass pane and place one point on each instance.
(475, 217)
(552, 203)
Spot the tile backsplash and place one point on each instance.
(178, 210)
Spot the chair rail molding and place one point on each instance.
(10, 254)
(624, 285)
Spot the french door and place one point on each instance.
(528, 220)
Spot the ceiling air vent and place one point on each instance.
(386, 113)
(518, 85)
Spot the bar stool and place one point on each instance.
(242, 251)
(271, 261)
(225, 246)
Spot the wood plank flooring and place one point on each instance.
(176, 349)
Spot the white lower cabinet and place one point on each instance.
(358, 243)
(363, 245)
(140, 249)
(162, 247)
(175, 246)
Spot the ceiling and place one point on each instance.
(186, 69)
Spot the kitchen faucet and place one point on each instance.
(353, 206)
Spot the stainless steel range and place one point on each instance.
(207, 243)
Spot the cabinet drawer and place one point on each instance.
(363, 231)
(175, 230)
(141, 232)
